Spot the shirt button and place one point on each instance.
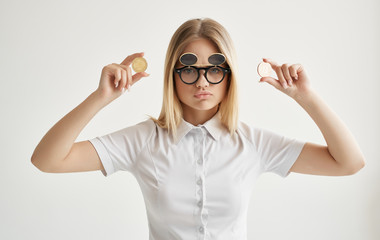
(199, 182)
(200, 204)
(200, 161)
(201, 229)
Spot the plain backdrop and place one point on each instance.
(51, 57)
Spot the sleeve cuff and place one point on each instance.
(293, 155)
(104, 156)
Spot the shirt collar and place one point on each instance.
(214, 126)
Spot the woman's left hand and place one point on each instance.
(292, 79)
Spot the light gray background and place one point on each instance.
(51, 56)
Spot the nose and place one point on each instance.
(202, 81)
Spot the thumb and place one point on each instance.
(271, 81)
(138, 76)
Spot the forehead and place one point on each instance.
(201, 47)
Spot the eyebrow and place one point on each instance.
(207, 65)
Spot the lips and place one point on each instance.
(202, 93)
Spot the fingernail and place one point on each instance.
(129, 87)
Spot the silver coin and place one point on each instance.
(264, 69)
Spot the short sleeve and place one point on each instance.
(276, 153)
(118, 150)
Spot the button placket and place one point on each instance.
(199, 165)
(200, 181)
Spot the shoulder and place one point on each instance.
(255, 134)
(251, 131)
(248, 130)
(140, 130)
(147, 125)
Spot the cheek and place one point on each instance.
(180, 89)
(223, 89)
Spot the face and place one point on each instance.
(189, 95)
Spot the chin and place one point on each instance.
(202, 106)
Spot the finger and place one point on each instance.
(124, 70)
(281, 77)
(128, 60)
(117, 75)
(124, 78)
(294, 69)
(274, 82)
(277, 69)
(120, 74)
(119, 65)
(273, 63)
(138, 76)
(129, 71)
(285, 71)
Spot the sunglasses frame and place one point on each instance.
(224, 70)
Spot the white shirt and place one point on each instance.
(199, 186)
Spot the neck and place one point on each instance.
(196, 117)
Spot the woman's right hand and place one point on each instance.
(115, 78)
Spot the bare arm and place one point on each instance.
(342, 155)
(57, 151)
(58, 141)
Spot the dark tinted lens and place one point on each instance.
(188, 59)
(216, 59)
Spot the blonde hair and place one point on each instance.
(171, 111)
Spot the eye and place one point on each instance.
(214, 70)
(188, 71)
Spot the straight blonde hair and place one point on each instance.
(171, 111)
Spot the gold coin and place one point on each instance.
(139, 64)
(264, 69)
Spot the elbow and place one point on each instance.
(33, 160)
(37, 164)
(45, 165)
(355, 168)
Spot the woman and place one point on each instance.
(196, 164)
